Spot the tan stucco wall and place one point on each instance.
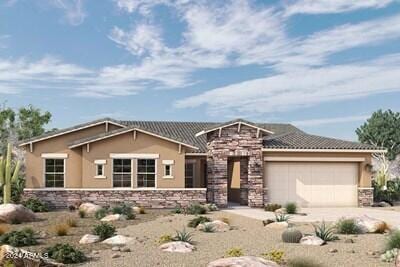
(125, 143)
(365, 175)
(35, 163)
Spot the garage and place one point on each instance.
(312, 184)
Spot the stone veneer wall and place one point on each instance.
(232, 143)
(365, 197)
(169, 198)
(243, 181)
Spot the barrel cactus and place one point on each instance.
(291, 235)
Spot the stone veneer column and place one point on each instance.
(365, 197)
(244, 177)
(255, 180)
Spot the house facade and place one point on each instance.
(165, 164)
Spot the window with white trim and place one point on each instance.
(146, 173)
(122, 172)
(167, 170)
(100, 172)
(54, 172)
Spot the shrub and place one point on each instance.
(325, 232)
(36, 205)
(24, 237)
(393, 240)
(142, 210)
(390, 255)
(3, 229)
(82, 214)
(391, 194)
(211, 207)
(208, 228)
(177, 210)
(65, 253)
(100, 214)
(71, 208)
(165, 239)
(61, 229)
(234, 252)
(71, 222)
(302, 262)
(275, 256)
(183, 236)
(291, 235)
(124, 209)
(272, 207)
(196, 209)
(198, 220)
(104, 230)
(347, 227)
(280, 217)
(291, 208)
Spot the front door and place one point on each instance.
(234, 180)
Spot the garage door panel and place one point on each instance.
(312, 184)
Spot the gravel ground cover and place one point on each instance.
(247, 234)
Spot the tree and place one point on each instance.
(31, 122)
(7, 125)
(383, 130)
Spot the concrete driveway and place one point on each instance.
(318, 214)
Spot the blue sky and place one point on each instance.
(322, 65)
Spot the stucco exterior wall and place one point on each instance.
(125, 143)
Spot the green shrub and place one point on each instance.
(183, 236)
(36, 205)
(347, 227)
(302, 262)
(291, 208)
(280, 217)
(165, 239)
(198, 220)
(65, 253)
(24, 237)
(272, 207)
(325, 232)
(275, 256)
(389, 255)
(100, 214)
(196, 209)
(291, 235)
(177, 210)
(104, 230)
(208, 228)
(234, 252)
(124, 209)
(393, 240)
(82, 214)
(391, 194)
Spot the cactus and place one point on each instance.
(8, 174)
(291, 235)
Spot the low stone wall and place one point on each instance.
(365, 197)
(157, 198)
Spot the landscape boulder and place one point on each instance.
(397, 261)
(136, 209)
(277, 225)
(11, 213)
(312, 240)
(28, 259)
(217, 225)
(118, 240)
(89, 208)
(89, 239)
(113, 217)
(177, 246)
(244, 261)
(370, 225)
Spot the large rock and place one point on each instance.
(370, 225)
(118, 240)
(277, 225)
(177, 246)
(312, 240)
(245, 261)
(15, 213)
(113, 217)
(397, 261)
(29, 258)
(136, 209)
(89, 239)
(89, 208)
(217, 225)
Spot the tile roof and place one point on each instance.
(301, 140)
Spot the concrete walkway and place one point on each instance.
(319, 214)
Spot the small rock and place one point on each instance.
(95, 252)
(118, 240)
(312, 240)
(348, 240)
(333, 250)
(217, 225)
(268, 221)
(177, 246)
(352, 251)
(249, 261)
(113, 217)
(89, 239)
(42, 234)
(125, 249)
(89, 208)
(115, 248)
(277, 225)
(115, 255)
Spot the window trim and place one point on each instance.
(102, 176)
(170, 176)
(44, 172)
(155, 173)
(112, 174)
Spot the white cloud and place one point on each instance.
(316, 122)
(332, 6)
(73, 9)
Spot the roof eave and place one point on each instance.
(324, 150)
(231, 124)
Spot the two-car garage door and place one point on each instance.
(312, 184)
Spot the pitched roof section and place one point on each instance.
(301, 140)
(69, 130)
(233, 122)
(131, 128)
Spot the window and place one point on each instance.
(54, 172)
(122, 173)
(189, 175)
(167, 171)
(100, 169)
(146, 173)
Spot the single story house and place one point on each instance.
(164, 164)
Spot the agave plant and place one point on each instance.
(281, 217)
(325, 232)
(8, 174)
(183, 236)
